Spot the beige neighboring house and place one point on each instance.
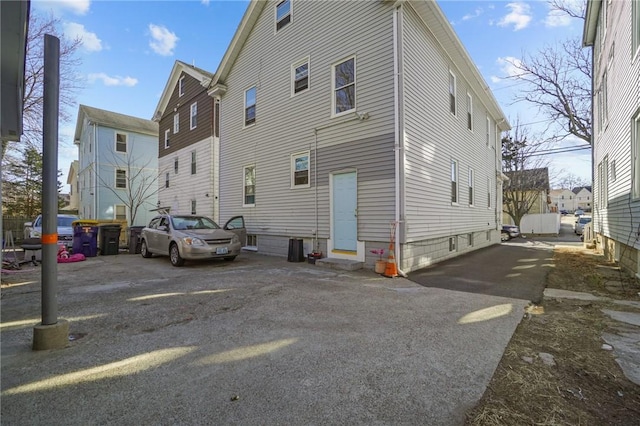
(584, 198)
(72, 181)
(562, 199)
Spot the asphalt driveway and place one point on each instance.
(515, 269)
(255, 341)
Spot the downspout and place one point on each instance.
(95, 170)
(397, 129)
(315, 185)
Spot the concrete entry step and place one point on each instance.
(342, 264)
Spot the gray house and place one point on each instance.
(612, 29)
(343, 121)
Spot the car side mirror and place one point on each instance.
(163, 228)
(230, 227)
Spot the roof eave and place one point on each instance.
(591, 22)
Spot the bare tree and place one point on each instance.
(135, 185)
(528, 174)
(70, 83)
(558, 81)
(570, 181)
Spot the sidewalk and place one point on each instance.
(258, 340)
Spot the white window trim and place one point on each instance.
(469, 112)
(293, 76)
(194, 162)
(193, 116)
(275, 15)
(115, 182)
(167, 139)
(489, 184)
(455, 95)
(244, 110)
(635, 156)
(181, 86)
(244, 195)
(457, 181)
(194, 206)
(126, 142)
(333, 86)
(176, 165)
(115, 211)
(488, 130)
(176, 123)
(167, 180)
(471, 187)
(293, 169)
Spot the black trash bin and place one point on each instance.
(109, 239)
(135, 242)
(296, 252)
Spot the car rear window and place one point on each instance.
(66, 221)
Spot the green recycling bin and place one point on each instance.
(109, 239)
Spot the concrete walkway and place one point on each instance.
(255, 341)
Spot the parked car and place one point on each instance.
(578, 227)
(563, 212)
(64, 229)
(508, 232)
(192, 237)
(578, 212)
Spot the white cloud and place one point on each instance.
(519, 17)
(162, 40)
(108, 80)
(79, 7)
(557, 18)
(509, 66)
(473, 15)
(205, 2)
(90, 41)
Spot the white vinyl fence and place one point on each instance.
(540, 223)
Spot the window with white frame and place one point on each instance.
(121, 178)
(167, 144)
(488, 130)
(193, 121)
(121, 142)
(470, 239)
(166, 179)
(454, 181)
(300, 76)
(605, 102)
(283, 14)
(635, 155)
(193, 162)
(175, 165)
(181, 86)
(471, 184)
(121, 212)
(300, 170)
(452, 243)
(452, 93)
(344, 86)
(613, 172)
(249, 186)
(193, 206)
(469, 112)
(176, 122)
(488, 193)
(250, 106)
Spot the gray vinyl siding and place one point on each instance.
(285, 124)
(620, 217)
(433, 137)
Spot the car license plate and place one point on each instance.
(222, 250)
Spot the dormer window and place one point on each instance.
(283, 14)
(181, 86)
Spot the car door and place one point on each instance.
(236, 225)
(150, 234)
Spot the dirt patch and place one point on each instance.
(554, 370)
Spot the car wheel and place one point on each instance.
(174, 255)
(144, 250)
(504, 236)
(230, 258)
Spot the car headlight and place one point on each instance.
(192, 241)
(35, 234)
(235, 239)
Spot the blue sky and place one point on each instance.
(129, 48)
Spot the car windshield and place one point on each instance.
(585, 219)
(66, 221)
(193, 222)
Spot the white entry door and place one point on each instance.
(345, 213)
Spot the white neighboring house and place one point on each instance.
(563, 199)
(584, 198)
(341, 118)
(117, 156)
(612, 30)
